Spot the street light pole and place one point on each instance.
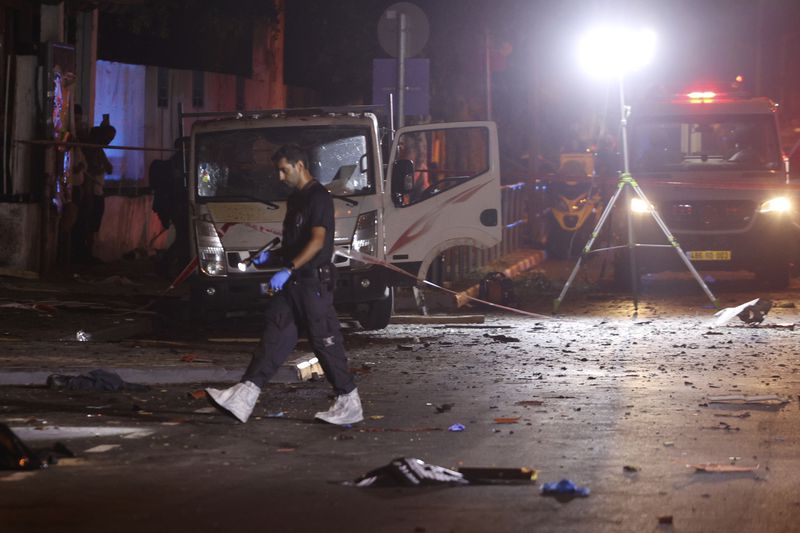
(623, 123)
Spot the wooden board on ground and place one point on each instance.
(438, 319)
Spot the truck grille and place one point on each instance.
(708, 215)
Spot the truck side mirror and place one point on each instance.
(402, 177)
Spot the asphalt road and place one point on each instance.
(587, 394)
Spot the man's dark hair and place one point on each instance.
(292, 153)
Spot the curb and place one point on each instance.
(160, 376)
(295, 370)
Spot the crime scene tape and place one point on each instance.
(189, 269)
(357, 256)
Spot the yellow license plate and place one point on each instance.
(709, 255)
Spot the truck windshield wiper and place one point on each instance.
(348, 201)
(242, 198)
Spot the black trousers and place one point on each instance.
(303, 304)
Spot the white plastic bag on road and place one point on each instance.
(723, 316)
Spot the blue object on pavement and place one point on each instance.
(262, 258)
(565, 486)
(457, 427)
(279, 279)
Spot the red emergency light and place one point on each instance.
(701, 97)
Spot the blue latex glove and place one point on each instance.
(565, 486)
(262, 258)
(279, 279)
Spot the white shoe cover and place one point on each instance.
(345, 410)
(238, 400)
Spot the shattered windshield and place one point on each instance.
(238, 163)
(675, 144)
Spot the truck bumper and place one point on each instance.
(353, 286)
(767, 242)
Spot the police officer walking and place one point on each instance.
(303, 297)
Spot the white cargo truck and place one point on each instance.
(437, 186)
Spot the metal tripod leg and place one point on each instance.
(588, 247)
(626, 179)
(676, 245)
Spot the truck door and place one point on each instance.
(444, 191)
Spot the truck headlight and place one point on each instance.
(365, 237)
(210, 252)
(640, 206)
(780, 204)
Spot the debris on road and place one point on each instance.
(408, 472)
(198, 394)
(443, 408)
(457, 427)
(529, 403)
(82, 336)
(16, 455)
(461, 326)
(631, 469)
(565, 487)
(363, 369)
(752, 312)
(740, 399)
(102, 448)
(745, 414)
(495, 475)
(399, 430)
(507, 420)
(665, 519)
(790, 326)
(96, 380)
(501, 338)
(716, 468)
(722, 425)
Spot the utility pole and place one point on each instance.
(402, 29)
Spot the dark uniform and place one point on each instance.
(306, 301)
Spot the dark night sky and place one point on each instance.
(330, 45)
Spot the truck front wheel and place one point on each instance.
(375, 314)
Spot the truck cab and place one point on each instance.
(712, 166)
(440, 188)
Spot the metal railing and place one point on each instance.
(462, 262)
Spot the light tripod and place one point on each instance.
(627, 183)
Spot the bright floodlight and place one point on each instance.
(615, 51)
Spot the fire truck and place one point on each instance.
(398, 206)
(712, 166)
